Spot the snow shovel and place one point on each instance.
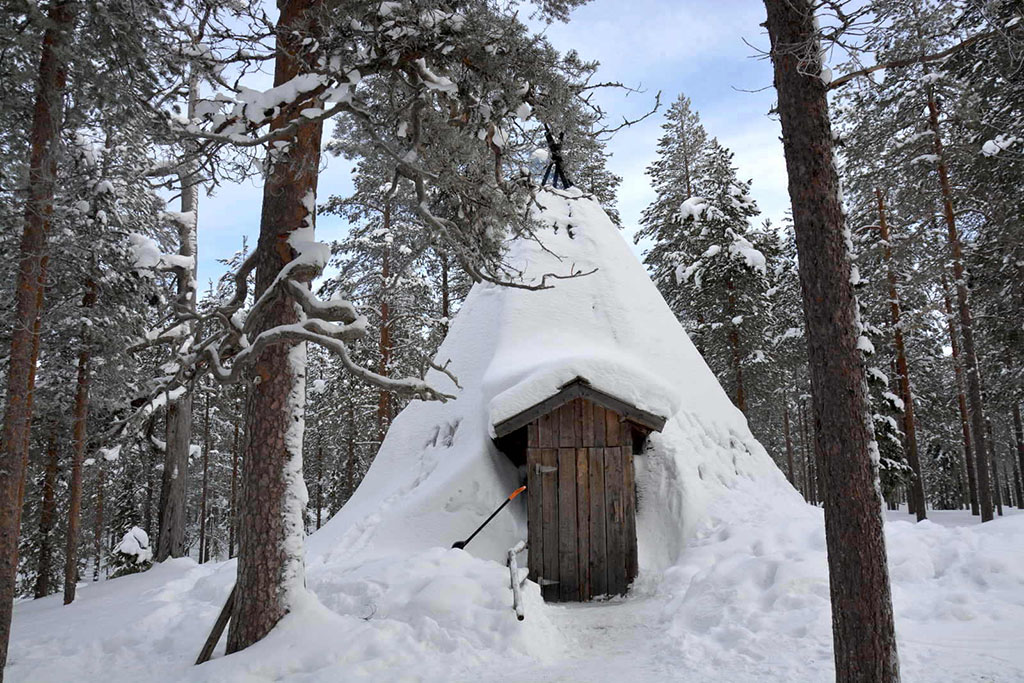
(462, 544)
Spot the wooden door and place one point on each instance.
(581, 503)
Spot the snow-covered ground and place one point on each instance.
(733, 584)
(748, 601)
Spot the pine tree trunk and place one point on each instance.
(862, 622)
(995, 487)
(47, 515)
(1018, 488)
(1018, 433)
(383, 396)
(270, 528)
(997, 493)
(789, 441)
(147, 513)
(206, 482)
(916, 490)
(965, 421)
(233, 521)
(974, 398)
(734, 345)
(47, 119)
(445, 294)
(319, 484)
(79, 421)
(98, 520)
(174, 482)
(350, 467)
(804, 452)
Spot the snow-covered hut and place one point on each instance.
(600, 350)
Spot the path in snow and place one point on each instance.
(616, 640)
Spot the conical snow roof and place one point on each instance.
(438, 473)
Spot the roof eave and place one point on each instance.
(580, 387)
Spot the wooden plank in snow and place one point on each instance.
(567, 426)
(586, 423)
(535, 512)
(616, 536)
(598, 546)
(568, 569)
(613, 427)
(549, 486)
(630, 509)
(545, 434)
(599, 426)
(583, 521)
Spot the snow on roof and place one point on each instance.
(611, 326)
(438, 473)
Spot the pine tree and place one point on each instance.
(707, 258)
(863, 632)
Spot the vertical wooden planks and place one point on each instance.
(583, 522)
(582, 513)
(616, 537)
(549, 492)
(599, 426)
(598, 546)
(547, 436)
(586, 423)
(613, 428)
(534, 510)
(568, 569)
(566, 425)
(630, 509)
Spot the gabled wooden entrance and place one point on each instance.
(580, 486)
(577, 448)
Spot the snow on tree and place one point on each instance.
(707, 258)
(132, 554)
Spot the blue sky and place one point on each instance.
(694, 47)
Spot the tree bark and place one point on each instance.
(384, 396)
(970, 355)
(47, 515)
(997, 493)
(445, 294)
(734, 345)
(350, 466)
(1018, 488)
(996, 489)
(174, 482)
(1018, 433)
(789, 440)
(270, 529)
(916, 491)
(804, 452)
(233, 522)
(319, 484)
(965, 421)
(863, 633)
(98, 519)
(203, 550)
(47, 116)
(79, 421)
